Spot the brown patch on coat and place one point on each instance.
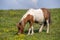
(29, 19)
(46, 14)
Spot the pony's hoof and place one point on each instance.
(47, 32)
(28, 34)
(32, 33)
(18, 33)
(40, 31)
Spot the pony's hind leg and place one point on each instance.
(47, 26)
(40, 30)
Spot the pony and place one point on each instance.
(40, 16)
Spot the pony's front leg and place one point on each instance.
(40, 30)
(31, 29)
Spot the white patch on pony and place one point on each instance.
(36, 13)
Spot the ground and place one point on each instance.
(8, 29)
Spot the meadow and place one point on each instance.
(8, 29)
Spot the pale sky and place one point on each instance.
(26, 4)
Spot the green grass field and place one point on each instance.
(8, 29)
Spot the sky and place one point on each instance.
(26, 4)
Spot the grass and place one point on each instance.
(8, 29)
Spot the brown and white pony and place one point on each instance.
(41, 16)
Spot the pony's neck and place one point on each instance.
(23, 22)
(25, 19)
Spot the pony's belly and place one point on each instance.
(39, 17)
(40, 21)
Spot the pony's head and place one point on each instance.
(20, 27)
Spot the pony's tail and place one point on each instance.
(49, 17)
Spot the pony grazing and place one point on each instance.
(40, 16)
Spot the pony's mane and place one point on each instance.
(25, 15)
